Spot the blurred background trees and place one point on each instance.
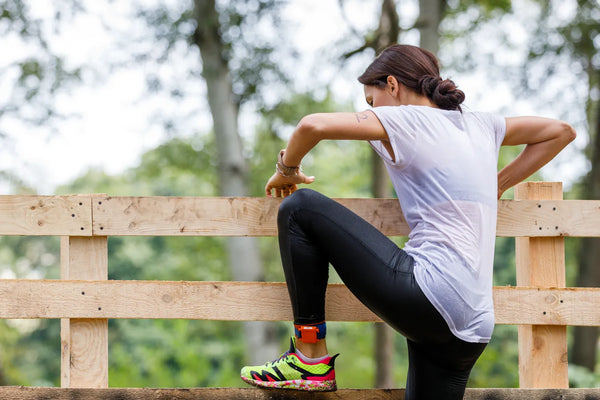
(216, 88)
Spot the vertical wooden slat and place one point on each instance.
(65, 338)
(541, 262)
(84, 342)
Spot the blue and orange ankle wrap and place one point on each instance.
(310, 333)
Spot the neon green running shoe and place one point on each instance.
(289, 372)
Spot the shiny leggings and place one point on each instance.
(315, 231)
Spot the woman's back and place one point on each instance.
(444, 173)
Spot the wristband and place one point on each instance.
(283, 169)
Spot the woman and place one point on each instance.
(437, 291)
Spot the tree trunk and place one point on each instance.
(387, 34)
(431, 13)
(243, 253)
(585, 339)
(384, 335)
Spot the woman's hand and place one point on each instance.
(284, 186)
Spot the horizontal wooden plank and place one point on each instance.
(228, 301)
(548, 306)
(244, 216)
(248, 216)
(46, 215)
(220, 216)
(577, 218)
(237, 301)
(35, 393)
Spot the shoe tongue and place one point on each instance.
(292, 348)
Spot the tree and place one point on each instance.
(234, 68)
(30, 81)
(243, 254)
(386, 34)
(150, 352)
(581, 36)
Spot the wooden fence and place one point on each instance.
(84, 299)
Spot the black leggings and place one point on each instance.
(315, 231)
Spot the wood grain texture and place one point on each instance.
(219, 216)
(45, 215)
(255, 216)
(84, 342)
(576, 218)
(36, 393)
(245, 216)
(235, 301)
(547, 306)
(543, 361)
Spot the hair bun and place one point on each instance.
(443, 92)
(428, 84)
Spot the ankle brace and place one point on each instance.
(311, 333)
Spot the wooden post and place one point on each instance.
(84, 342)
(540, 262)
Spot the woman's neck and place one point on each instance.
(416, 99)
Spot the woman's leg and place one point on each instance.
(440, 371)
(315, 231)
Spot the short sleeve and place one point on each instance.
(401, 131)
(498, 125)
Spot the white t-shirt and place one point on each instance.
(445, 176)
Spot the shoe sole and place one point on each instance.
(297, 384)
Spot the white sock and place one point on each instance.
(310, 360)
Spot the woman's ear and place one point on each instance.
(393, 85)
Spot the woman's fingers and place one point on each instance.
(276, 186)
(309, 179)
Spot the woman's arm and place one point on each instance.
(310, 131)
(544, 138)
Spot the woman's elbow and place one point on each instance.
(567, 133)
(310, 125)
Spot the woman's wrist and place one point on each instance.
(285, 170)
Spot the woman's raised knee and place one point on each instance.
(302, 198)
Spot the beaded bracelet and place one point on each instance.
(283, 169)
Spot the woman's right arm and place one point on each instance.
(544, 139)
(317, 127)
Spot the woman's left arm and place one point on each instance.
(544, 139)
(311, 130)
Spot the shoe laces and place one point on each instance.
(282, 357)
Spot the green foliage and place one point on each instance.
(342, 168)
(498, 365)
(580, 377)
(486, 8)
(468, 16)
(248, 50)
(40, 72)
(11, 354)
(30, 348)
(174, 353)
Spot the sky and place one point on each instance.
(113, 118)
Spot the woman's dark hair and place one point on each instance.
(418, 70)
